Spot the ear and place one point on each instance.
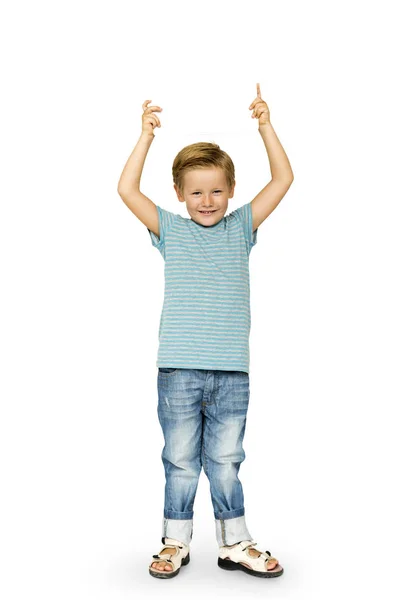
(180, 197)
(231, 193)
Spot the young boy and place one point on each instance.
(203, 355)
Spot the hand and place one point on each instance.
(260, 108)
(149, 120)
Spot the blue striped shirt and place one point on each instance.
(205, 321)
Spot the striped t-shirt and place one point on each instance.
(205, 321)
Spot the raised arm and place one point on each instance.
(129, 183)
(281, 172)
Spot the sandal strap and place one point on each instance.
(167, 555)
(171, 542)
(162, 557)
(249, 544)
(267, 554)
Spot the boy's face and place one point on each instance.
(205, 190)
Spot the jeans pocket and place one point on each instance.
(166, 370)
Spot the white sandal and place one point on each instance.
(180, 558)
(231, 559)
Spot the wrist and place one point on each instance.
(147, 135)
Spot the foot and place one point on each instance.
(164, 566)
(271, 564)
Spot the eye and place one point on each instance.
(194, 193)
(217, 191)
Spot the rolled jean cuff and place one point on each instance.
(231, 531)
(172, 514)
(229, 514)
(178, 529)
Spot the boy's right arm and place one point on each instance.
(129, 185)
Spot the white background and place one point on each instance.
(82, 292)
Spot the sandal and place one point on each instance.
(180, 558)
(231, 559)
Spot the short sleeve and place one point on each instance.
(165, 221)
(244, 215)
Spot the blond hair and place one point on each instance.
(202, 155)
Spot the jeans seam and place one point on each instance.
(223, 534)
(203, 451)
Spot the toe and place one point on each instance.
(161, 566)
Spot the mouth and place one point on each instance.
(206, 212)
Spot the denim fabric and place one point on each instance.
(203, 418)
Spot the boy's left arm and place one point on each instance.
(281, 172)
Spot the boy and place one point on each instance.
(203, 354)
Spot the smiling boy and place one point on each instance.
(203, 356)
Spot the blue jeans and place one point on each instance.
(203, 418)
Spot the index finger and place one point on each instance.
(258, 90)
